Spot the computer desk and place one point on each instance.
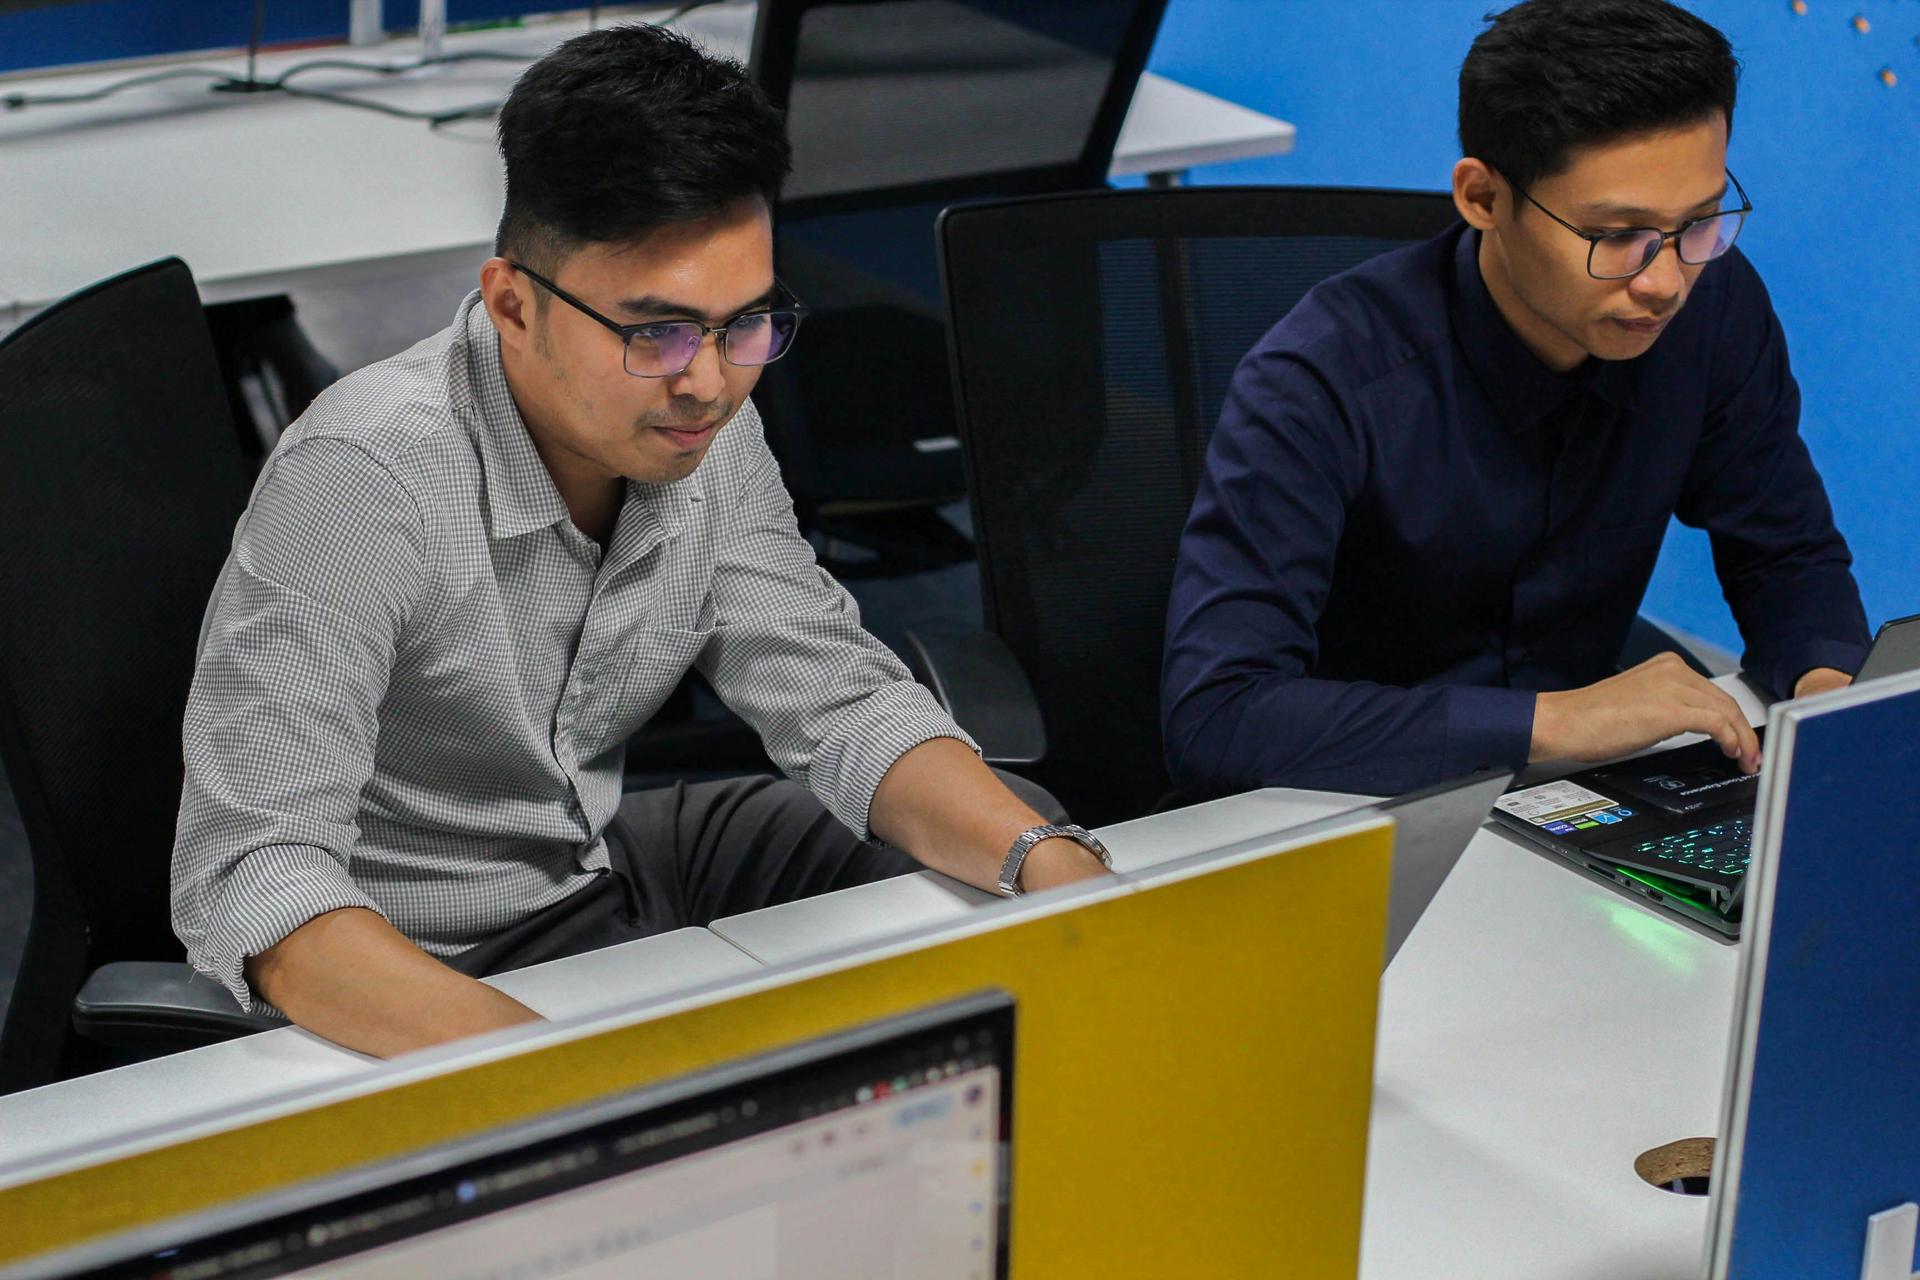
(269, 194)
(183, 1092)
(1537, 1032)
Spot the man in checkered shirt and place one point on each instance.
(469, 573)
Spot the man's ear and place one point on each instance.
(508, 297)
(1475, 188)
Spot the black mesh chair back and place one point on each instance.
(897, 108)
(120, 482)
(893, 102)
(1093, 338)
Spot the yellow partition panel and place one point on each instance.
(1192, 1081)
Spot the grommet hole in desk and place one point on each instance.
(1684, 1167)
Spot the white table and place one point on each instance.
(868, 913)
(196, 1087)
(270, 194)
(1538, 1031)
(202, 1085)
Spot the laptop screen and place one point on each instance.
(877, 1152)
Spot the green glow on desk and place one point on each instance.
(1652, 935)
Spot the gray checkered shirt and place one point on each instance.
(417, 677)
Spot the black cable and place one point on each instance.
(433, 119)
(18, 101)
(253, 41)
(393, 68)
(683, 11)
(225, 83)
(250, 83)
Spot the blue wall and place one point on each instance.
(1830, 155)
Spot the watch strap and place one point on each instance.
(1009, 881)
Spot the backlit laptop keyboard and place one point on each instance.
(1725, 847)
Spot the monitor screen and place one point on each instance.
(877, 1152)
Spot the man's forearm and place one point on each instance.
(350, 976)
(943, 806)
(1281, 730)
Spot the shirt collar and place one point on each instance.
(1522, 389)
(521, 496)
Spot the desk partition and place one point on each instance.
(1822, 1125)
(1194, 1060)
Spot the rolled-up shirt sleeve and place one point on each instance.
(834, 707)
(282, 719)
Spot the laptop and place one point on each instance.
(1673, 826)
(1432, 828)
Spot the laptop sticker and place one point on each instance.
(1561, 801)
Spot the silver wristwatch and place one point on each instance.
(1017, 855)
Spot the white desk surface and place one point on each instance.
(1537, 1032)
(849, 917)
(867, 913)
(37, 1123)
(267, 194)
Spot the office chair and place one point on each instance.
(1094, 336)
(120, 481)
(896, 108)
(270, 366)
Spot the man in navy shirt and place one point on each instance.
(1438, 486)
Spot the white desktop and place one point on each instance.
(265, 194)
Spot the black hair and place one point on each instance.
(619, 132)
(1549, 76)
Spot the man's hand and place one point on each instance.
(1637, 708)
(1821, 680)
(350, 976)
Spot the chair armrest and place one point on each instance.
(980, 683)
(160, 1006)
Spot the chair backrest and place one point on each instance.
(120, 481)
(1093, 339)
(895, 102)
(896, 108)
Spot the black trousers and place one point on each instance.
(687, 855)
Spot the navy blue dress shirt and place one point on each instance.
(1409, 524)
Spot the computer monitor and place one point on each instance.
(878, 1151)
(1818, 1155)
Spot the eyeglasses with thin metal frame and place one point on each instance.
(663, 348)
(1623, 254)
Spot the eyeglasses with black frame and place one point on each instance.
(1623, 254)
(663, 348)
